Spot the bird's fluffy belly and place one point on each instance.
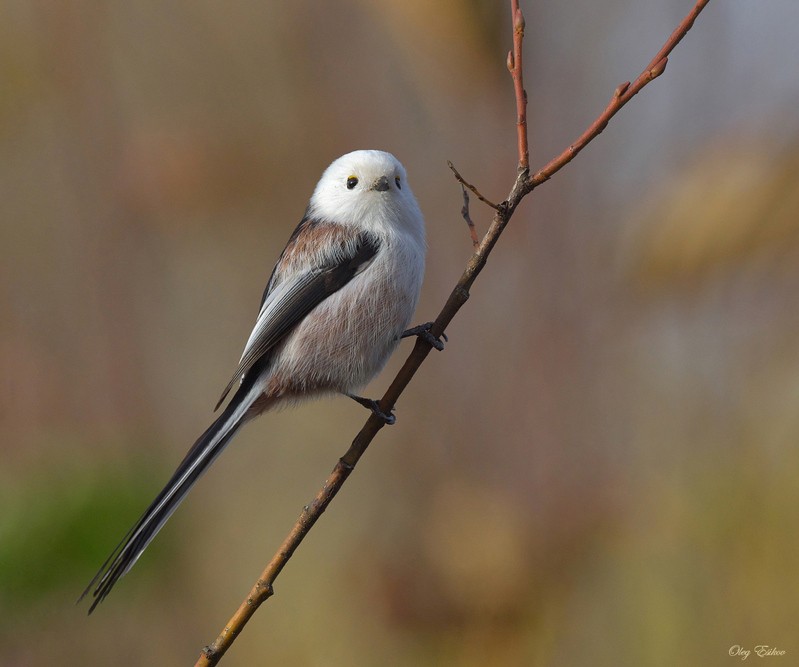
(346, 340)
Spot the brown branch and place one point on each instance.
(468, 185)
(623, 94)
(523, 185)
(516, 71)
(468, 218)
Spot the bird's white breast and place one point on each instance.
(347, 339)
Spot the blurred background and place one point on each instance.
(602, 466)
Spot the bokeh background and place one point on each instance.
(603, 466)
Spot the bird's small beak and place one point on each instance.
(381, 184)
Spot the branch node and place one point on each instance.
(622, 88)
(658, 69)
(518, 21)
(510, 63)
(462, 294)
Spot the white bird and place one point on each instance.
(337, 303)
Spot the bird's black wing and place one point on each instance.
(288, 301)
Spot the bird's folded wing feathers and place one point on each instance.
(292, 299)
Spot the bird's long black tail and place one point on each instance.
(208, 446)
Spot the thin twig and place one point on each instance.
(468, 185)
(516, 71)
(263, 588)
(623, 94)
(468, 218)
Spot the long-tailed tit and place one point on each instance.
(335, 307)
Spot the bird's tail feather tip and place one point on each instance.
(204, 451)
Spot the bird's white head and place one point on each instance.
(369, 189)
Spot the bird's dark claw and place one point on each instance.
(423, 332)
(372, 405)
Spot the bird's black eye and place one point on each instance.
(397, 181)
(352, 181)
